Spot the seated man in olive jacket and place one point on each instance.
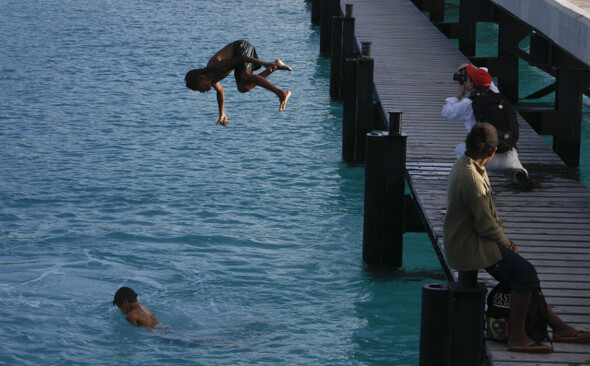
(474, 239)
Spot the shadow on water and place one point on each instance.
(388, 314)
(382, 274)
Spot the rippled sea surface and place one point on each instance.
(244, 241)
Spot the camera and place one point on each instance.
(460, 76)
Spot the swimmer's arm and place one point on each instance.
(220, 104)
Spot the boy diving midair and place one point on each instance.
(239, 56)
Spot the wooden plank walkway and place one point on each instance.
(414, 64)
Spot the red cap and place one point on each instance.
(481, 79)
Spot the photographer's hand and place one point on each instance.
(461, 91)
(462, 66)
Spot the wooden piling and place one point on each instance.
(435, 342)
(325, 27)
(467, 20)
(508, 39)
(452, 324)
(364, 106)
(336, 59)
(467, 319)
(570, 84)
(349, 107)
(316, 10)
(329, 9)
(385, 177)
(348, 39)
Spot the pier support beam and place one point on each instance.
(508, 40)
(316, 10)
(336, 59)
(570, 85)
(358, 109)
(342, 47)
(365, 109)
(385, 178)
(348, 39)
(467, 20)
(349, 116)
(436, 8)
(329, 9)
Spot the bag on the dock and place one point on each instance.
(496, 110)
(498, 315)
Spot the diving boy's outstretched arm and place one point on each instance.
(222, 120)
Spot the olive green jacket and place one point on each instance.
(472, 227)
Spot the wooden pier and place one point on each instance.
(413, 67)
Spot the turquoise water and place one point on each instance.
(244, 241)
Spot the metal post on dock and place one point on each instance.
(451, 332)
(385, 179)
(348, 12)
(366, 49)
(395, 123)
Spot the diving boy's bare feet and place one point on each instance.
(283, 99)
(281, 65)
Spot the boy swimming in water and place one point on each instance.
(239, 56)
(135, 313)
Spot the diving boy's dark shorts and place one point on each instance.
(515, 270)
(244, 48)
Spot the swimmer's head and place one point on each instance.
(197, 80)
(124, 294)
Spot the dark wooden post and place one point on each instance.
(336, 59)
(436, 8)
(348, 41)
(452, 326)
(467, 18)
(570, 84)
(467, 319)
(316, 10)
(435, 325)
(349, 115)
(365, 86)
(395, 123)
(342, 48)
(335, 9)
(385, 179)
(508, 39)
(329, 9)
(325, 28)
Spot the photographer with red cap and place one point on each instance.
(477, 81)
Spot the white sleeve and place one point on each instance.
(457, 110)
